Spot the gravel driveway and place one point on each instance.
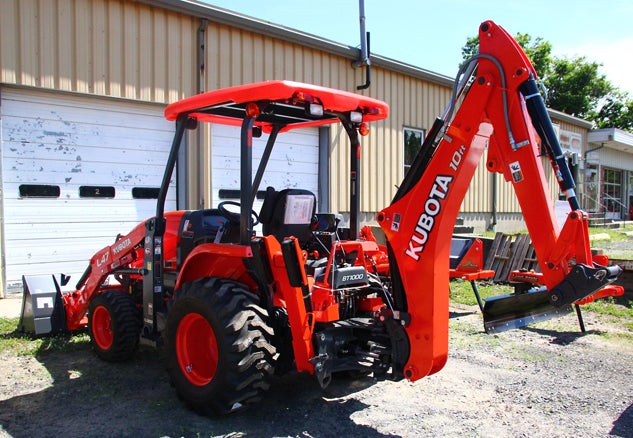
(548, 380)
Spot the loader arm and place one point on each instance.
(113, 258)
(501, 110)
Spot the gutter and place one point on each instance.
(226, 17)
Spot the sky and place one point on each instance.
(431, 34)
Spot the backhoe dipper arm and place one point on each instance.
(498, 109)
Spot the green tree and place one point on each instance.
(616, 110)
(538, 51)
(576, 87)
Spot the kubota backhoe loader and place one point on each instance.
(232, 307)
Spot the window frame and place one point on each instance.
(405, 153)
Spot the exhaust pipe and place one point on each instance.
(364, 48)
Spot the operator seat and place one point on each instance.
(290, 212)
(204, 226)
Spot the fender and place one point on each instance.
(216, 260)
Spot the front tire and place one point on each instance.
(217, 346)
(114, 324)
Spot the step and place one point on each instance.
(462, 229)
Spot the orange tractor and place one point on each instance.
(232, 306)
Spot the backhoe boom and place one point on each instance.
(503, 112)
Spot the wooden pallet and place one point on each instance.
(510, 252)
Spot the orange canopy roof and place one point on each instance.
(282, 102)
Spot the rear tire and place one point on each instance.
(114, 324)
(217, 346)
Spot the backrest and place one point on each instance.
(204, 226)
(289, 212)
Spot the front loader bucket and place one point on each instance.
(507, 312)
(42, 306)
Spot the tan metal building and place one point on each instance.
(608, 173)
(83, 80)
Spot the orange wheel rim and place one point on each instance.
(102, 327)
(196, 349)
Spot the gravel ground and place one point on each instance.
(547, 380)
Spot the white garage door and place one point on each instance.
(293, 164)
(76, 171)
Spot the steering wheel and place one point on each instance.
(233, 216)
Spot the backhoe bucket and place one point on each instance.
(507, 312)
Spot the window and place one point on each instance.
(96, 192)
(235, 194)
(413, 139)
(612, 193)
(38, 191)
(145, 192)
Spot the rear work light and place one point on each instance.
(314, 109)
(355, 117)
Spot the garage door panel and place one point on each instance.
(227, 169)
(281, 154)
(73, 141)
(40, 211)
(54, 132)
(284, 149)
(56, 265)
(34, 232)
(79, 249)
(85, 154)
(73, 268)
(83, 111)
(61, 150)
(300, 136)
(69, 192)
(286, 180)
(76, 174)
(294, 162)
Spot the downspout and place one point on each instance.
(598, 177)
(493, 222)
(593, 150)
(200, 133)
(324, 169)
(3, 270)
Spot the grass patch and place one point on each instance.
(462, 291)
(621, 337)
(615, 233)
(618, 310)
(609, 306)
(465, 335)
(618, 245)
(15, 342)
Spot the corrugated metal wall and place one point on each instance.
(238, 57)
(582, 131)
(131, 50)
(105, 47)
(615, 159)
